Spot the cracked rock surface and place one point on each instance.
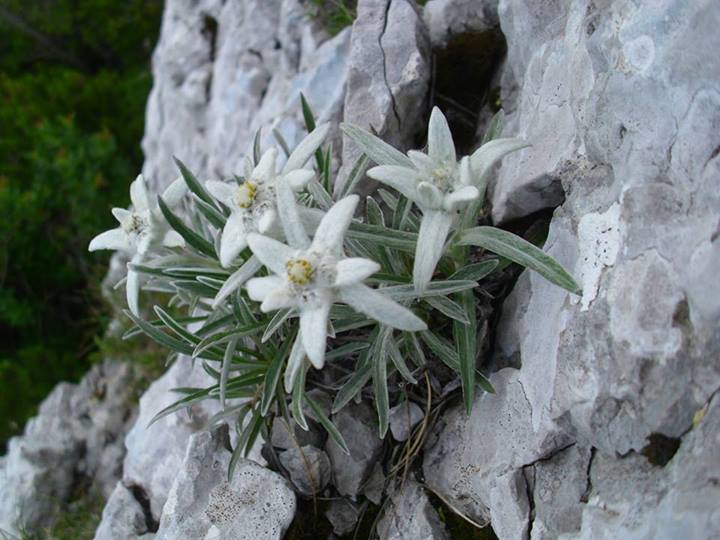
(626, 134)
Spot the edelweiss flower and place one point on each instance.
(437, 183)
(141, 230)
(253, 203)
(311, 279)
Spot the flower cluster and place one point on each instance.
(271, 253)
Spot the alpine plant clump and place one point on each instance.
(369, 304)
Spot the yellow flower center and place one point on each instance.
(299, 271)
(441, 177)
(245, 194)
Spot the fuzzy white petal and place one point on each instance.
(237, 279)
(112, 239)
(265, 169)
(271, 253)
(144, 244)
(313, 330)
(295, 362)
(429, 196)
(434, 229)
(132, 288)
(174, 193)
(381, 308)
(290, 217)
(261, 287)
(121, 214)
(139, 194)
(222, 191)
(306, 148)
(354, 270)
(422, 161)
(441, 148)
(333, 226)
(462, 195)
(234, 238)
(403, 179)
(490, 153)
(266, 221)
(466, 175)
(173, 239)
(299, 178)
(280, 298)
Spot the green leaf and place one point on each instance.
(400, 240)
(227, 362)
(159, 336)
(447, 307)
(319, 195)
(281, 142)
(466, 341)
(276, 322)
(335, 435)
(214, 216)
(442, 349)
(298, 397)
(308, 115)
(257, 154)
(476, 271)
(193, 184)
(495, 127)
(382, 399)
(434, 288)
(516, 249)
(273, 374)
(399, 362)
(176, 327)
(346, 350)
(374, 212)
(414, 349)
(376, 149)
(190, 236)
(188, 400)
(358, 380)
(356, 174)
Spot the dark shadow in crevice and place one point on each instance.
(660, 448)
(464, 72)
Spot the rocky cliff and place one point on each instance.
(606, 420)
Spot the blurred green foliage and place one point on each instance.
(74, 78)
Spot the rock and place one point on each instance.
(223, 70)
(309, 468)
(75, 441)
(123, 517)
(281, 437)
(358, 426)
(374, 487)
(619, 122)
(256, 504)
(343, 515)
(409, 514)
(446, 19)
(155, 452)
(389, 71)
(403, 418)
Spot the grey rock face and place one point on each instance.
(256, 504)
(403, 418)
(409, 514)
(358, 426)
(343, 516)
(389, 71)
(309, 468)
(123, 517)
(76, 439)
(620, 122)
(155, 452)
(446, 19)
(223, 70)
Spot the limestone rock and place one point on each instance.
(256, 504)
(389, 71)
(358, 426)
(123, 517)
(403, 418)
(309, 468)
(409, 514)
(619, 122)
(446, 19)
(155, 452)
(343, 515)
(76, 439)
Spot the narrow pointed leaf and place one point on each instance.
(190, 236)
(193, 184)
(333, 431)
(376, 149)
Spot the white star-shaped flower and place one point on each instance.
(253, 203)
(312, 278)
(437, 183)
(142, 230)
